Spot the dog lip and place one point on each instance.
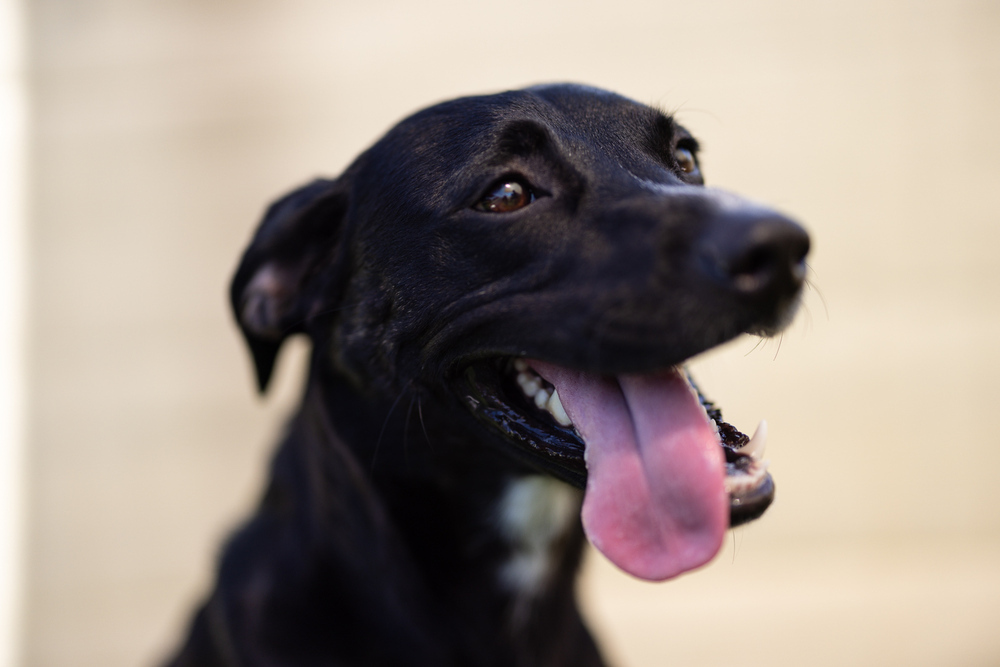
(559, 450)
(749, 505)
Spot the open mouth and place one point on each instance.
(664, 473)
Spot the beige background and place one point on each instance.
(161, 129)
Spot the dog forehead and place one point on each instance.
(447, 139)
(562, 108)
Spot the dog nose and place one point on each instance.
(763, 254)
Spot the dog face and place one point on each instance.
(497, 251)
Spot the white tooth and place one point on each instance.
(520, 365)
(555, 407)
(529, 383)
(541, 399)
(755, 447)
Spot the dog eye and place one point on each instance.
(686, 161)
(506, 197)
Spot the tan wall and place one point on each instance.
(161, 129)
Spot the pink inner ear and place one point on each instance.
(655, 503)
(265, 300)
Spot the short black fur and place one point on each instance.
(377, 539)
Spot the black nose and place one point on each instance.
(761, 255)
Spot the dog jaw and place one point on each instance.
(513, 398)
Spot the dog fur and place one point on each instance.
(416, 513)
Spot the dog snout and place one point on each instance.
(759, 253)
(770, 257)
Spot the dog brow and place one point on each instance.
(662, 129)
(523, 138)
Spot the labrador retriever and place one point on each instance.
(501, 295)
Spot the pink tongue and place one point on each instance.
(655, 502)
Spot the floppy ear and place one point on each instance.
(281, 280)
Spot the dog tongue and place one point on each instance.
(655, 504)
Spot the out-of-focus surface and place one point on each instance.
(161, 130)
(12, 320)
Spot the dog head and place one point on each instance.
(547, 259)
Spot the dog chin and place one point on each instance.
(781, 323)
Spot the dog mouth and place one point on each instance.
(664, 474)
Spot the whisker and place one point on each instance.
(385, 423)
(423, 426)
(814, 287)
(406, 431)
(760, 341)
(736, 545)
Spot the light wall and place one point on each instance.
(13, 133)
(161, 129)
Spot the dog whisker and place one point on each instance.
(811, 284)
(423, 426)
(761, 340)
(385, 423)
(406, 430)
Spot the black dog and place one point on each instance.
(499, 294)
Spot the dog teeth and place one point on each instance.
(747, 480)
(758, 441)
(544, 395)
(542, 399)
(555, 408)
(529, 383)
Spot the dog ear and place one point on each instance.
(280, 280)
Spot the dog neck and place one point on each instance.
(465, 537)
(536, 515)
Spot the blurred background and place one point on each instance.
(142, 141)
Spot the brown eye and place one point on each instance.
(685, 160)
(508, 196)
